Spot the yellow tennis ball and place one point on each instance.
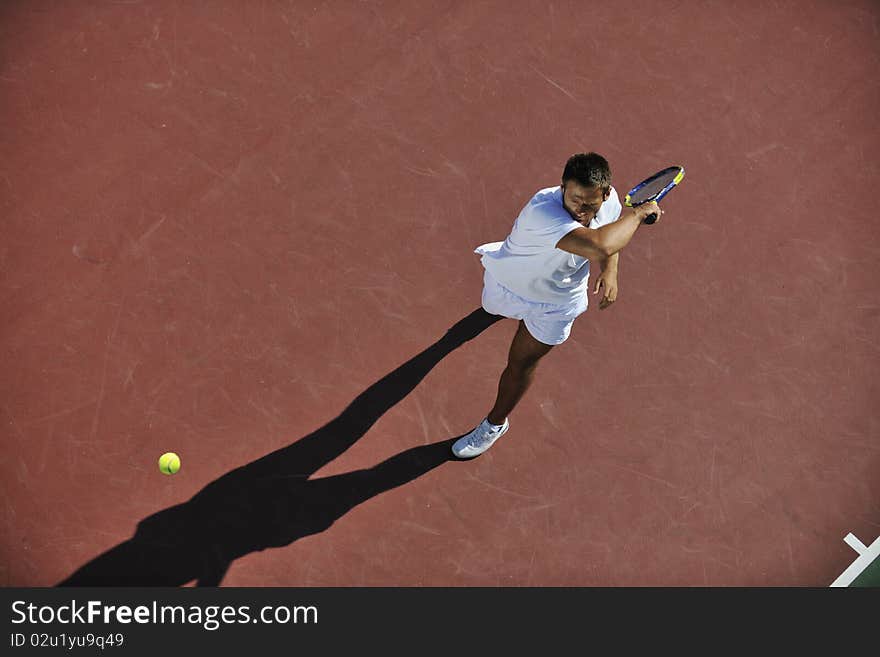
(169, 463)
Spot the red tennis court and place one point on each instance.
(244, 233)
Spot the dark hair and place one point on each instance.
(589, 169)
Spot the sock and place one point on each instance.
(493, 427)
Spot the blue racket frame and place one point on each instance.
(651, 218)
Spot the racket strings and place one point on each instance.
(652, 188)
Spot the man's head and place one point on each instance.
(586, 184)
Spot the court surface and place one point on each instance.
(243, 232)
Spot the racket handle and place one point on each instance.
(650, 219)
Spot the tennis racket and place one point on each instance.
(654, 188)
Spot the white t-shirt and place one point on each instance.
(528, 263)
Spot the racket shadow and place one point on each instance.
(272, 502)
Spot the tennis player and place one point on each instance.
(539, 275)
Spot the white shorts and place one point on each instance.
(547, 322)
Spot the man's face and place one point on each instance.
(582, 202)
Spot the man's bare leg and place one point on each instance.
(525, 352)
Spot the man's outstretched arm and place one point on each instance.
(598, 244)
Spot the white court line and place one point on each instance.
(866, 556)
(854, 543)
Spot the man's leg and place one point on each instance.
(525, 352)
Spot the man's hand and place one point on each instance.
(650, 207)
(607, 280)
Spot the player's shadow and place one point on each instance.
(272, 502)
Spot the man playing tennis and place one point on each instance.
(539, 275)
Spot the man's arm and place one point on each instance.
(609, 264)
(607, 280)
(599, 244)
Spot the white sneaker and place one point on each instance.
(478, 440)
